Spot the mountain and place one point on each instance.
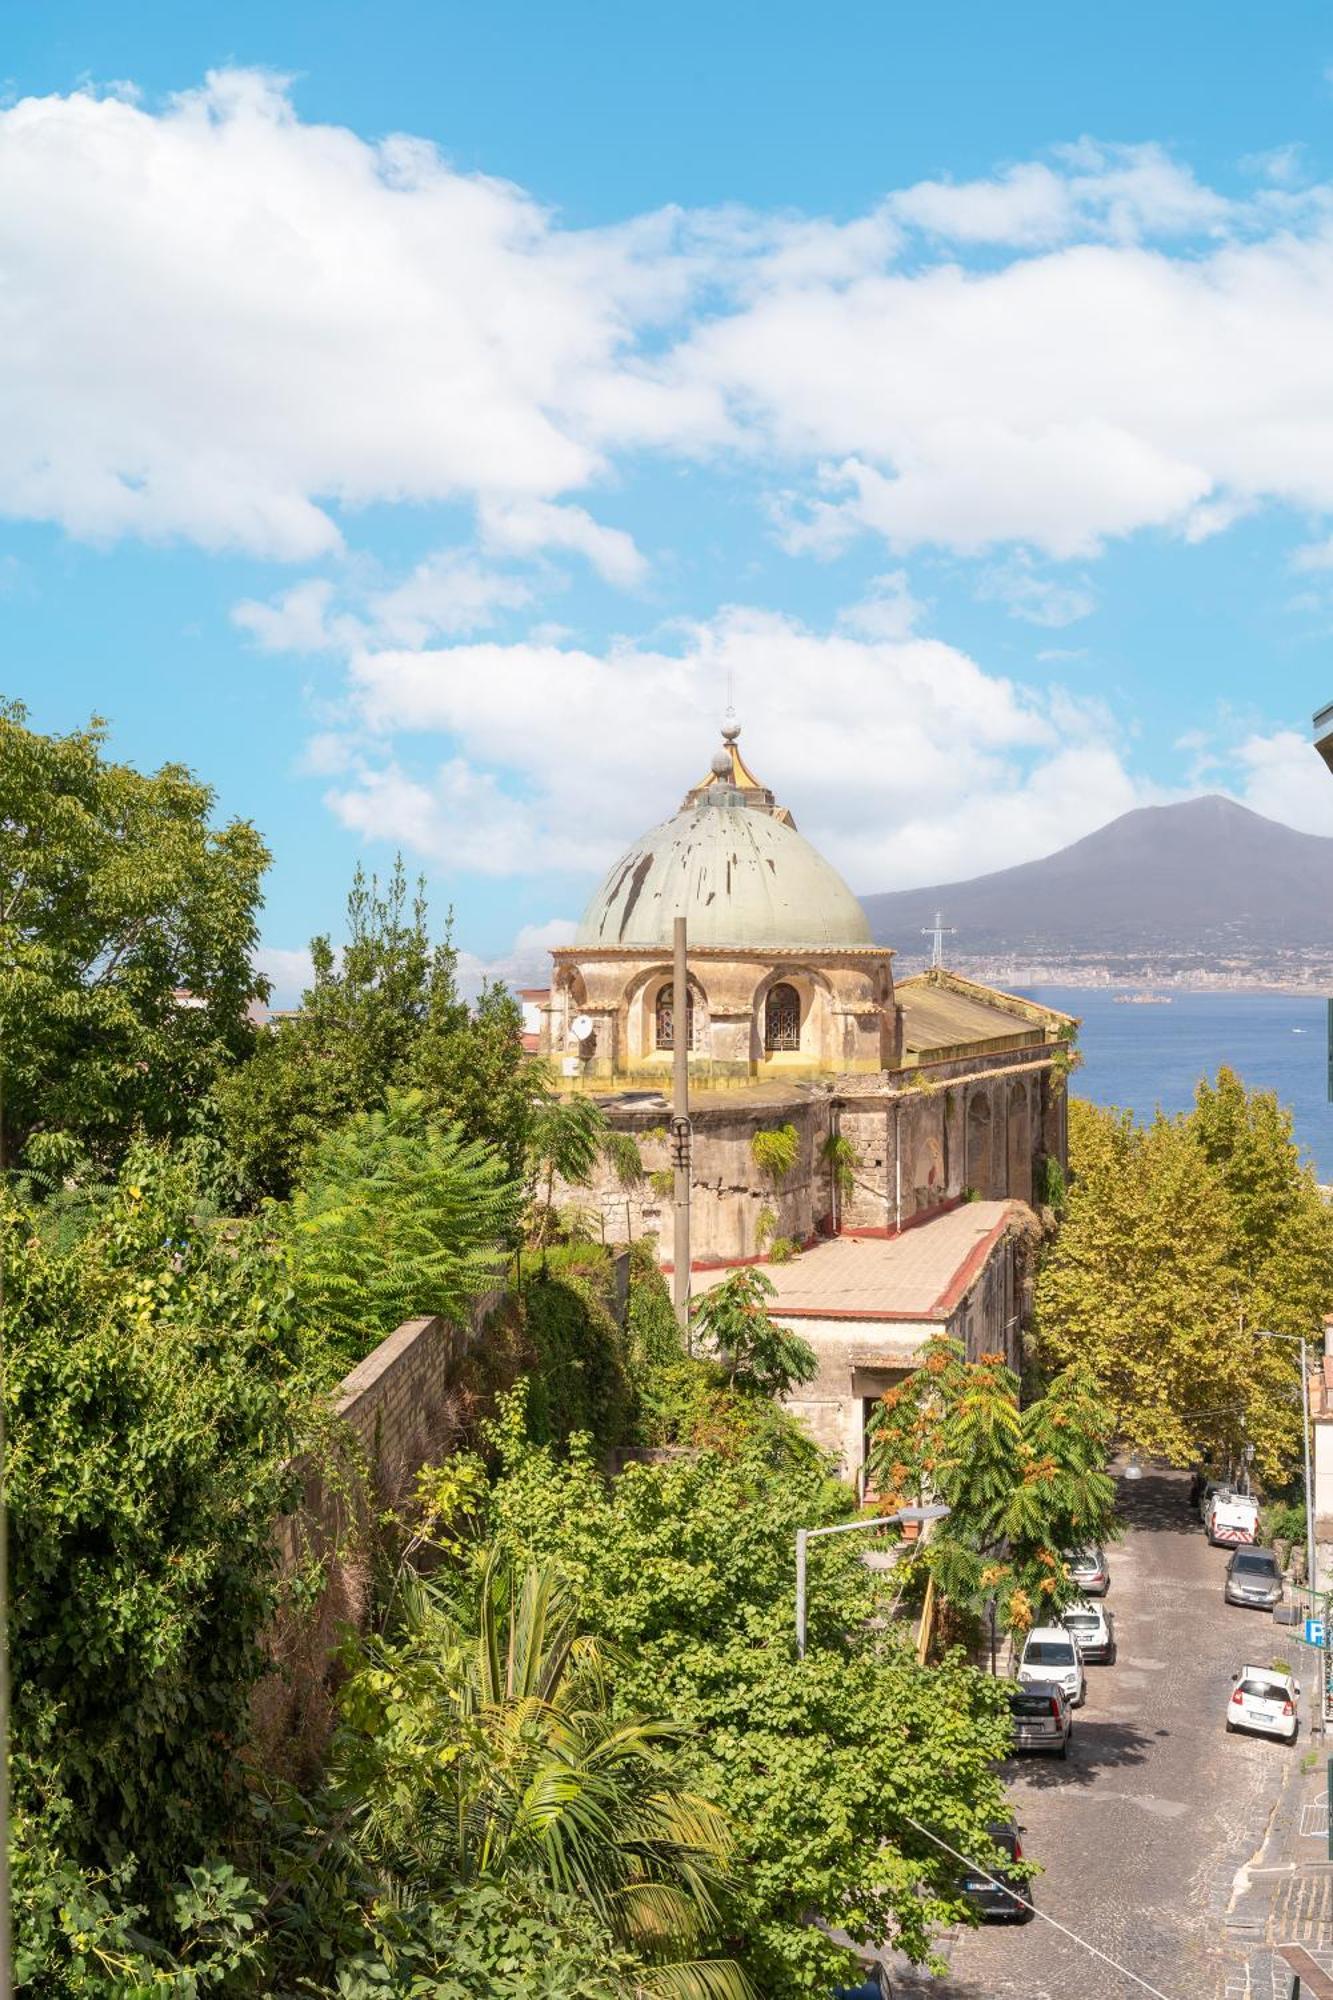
(1207, 880)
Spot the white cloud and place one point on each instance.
(288, 972)
(524, 527)
(1283, 776)
(900, 758)
(1039, 600)
(887, 611)
(224, 323)
(220, 322)
(1122, 192)
(447, 593)
(526, 963)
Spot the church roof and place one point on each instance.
(946, 1015)
(739, 873)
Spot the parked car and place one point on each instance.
(1232, 1520)
(1042, 1717)
(1051, 1654)
(1089, 1569)
(1254, 1579)
(875, 1986)
(1094, 1628)
(1001, 1891)
(1209, 1491)
(1264, 1700)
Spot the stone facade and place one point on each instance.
(843, 1012)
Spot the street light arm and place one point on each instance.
(804, 1536)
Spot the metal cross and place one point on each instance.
(938, 931)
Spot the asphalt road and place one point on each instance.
(1139, 1835)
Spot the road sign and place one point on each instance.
(1314, 1632)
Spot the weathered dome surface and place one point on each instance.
(738, 876)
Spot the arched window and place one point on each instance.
(782, 1018)
(665, 1034)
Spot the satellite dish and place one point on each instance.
(580, 1027)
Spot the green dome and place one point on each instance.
(739, 877)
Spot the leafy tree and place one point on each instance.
(486, 1750)
(350, 1043)
(1023, 1485)
(567, 1137)
(1138, 1284)
(382, 1014)
(756, 1352)
(153, 1408)
(394, 1218)
(116, 891)
(1179, 1242)
(687, 1570)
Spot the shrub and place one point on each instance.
(775, 1153)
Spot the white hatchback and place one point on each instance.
(1051, 1654)
(1264, 1700)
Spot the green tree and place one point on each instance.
(350, 1043)
(756, 1352)
(394, 1218)
(153, 1406)
(472, 1070)
(1139, 1285)
(1023, 1485)
(116, 891)
(821, 1765)
(486, 1750)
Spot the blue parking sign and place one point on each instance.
(1314, 1631)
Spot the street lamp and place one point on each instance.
(905, 1516)
(1266, 1333)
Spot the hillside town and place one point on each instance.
(666, 1002)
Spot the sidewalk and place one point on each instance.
(1284, 1895)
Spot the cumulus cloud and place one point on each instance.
(222, 323)
(1040, 600)
(526, 963)
(1282, 775)
(900, 757)
(225, 323)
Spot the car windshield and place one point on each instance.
(1254, 1562)
(1049, 1653)
(1085, 1559)
(1264, 1690)
(1024, 1705)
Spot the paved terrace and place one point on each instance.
(920, 1275)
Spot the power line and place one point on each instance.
(1009, 1890)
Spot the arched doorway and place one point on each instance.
(980, 1173)
(1018, 1180)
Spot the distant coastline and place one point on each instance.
(1311, 985)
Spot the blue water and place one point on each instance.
(1141, 1057)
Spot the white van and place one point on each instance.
(1232, 1520)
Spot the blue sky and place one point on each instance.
(418, 418)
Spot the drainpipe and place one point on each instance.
(898, 1164)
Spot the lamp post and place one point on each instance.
(804, 1536)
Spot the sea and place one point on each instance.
(1141, 1057)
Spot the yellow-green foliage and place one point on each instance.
(1179, 1240)
(775, 1152)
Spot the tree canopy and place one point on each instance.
(127, 924)
(1180, 1241)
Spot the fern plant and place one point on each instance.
(775, 1152)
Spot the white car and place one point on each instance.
(1051, 1654)
(1264, 1701)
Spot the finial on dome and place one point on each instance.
(731, 729)
(721, 765)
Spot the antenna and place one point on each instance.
(937, 932)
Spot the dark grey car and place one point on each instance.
(1041, 1718)
(1254, 1580)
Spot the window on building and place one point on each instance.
(665, 1035)
(782, 1018)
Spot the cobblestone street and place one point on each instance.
(1140, 1836)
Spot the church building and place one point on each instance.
(922, 1119)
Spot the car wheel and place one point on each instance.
(1231, 1727)
(1064, 1751)
(1110, 1657)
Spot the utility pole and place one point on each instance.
(680, 1126)
(937, 932)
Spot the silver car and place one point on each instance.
(1089, 1569)
(1041, 1717)
(1094, 1628)
(1254, 1580)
